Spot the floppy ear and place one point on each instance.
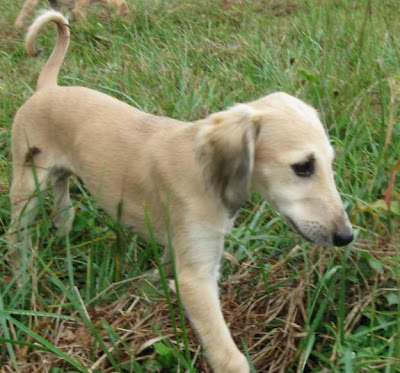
(225, 150)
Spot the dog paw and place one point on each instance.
(63, 222)
(236, 364)
(122, 11)
(19, 24)
(76, 14)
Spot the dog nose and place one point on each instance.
(343, 237)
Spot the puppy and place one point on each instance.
(75, 7)
(195, 176)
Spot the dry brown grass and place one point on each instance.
(270, 322)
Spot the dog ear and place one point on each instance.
(225, 150)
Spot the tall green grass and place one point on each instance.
(186, 59)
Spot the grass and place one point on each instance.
(293, 307)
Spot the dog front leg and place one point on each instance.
(197, 273)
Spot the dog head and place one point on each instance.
(278, 147)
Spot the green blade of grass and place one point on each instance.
(48, 345)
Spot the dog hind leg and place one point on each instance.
(120, 6)
(24, 206)
(63, 209)
(78, 10)
(26, 10)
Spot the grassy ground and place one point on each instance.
(291, 306)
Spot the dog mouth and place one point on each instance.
(314, 236)
(295, 228)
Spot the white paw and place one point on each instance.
(236, 364)
(64, 221)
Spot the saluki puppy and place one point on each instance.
(195, 176)
(76, 8)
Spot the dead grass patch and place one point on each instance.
(271, 320)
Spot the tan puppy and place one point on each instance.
(76, 8)
(196, 174)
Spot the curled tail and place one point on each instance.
(48, 75)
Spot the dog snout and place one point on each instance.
(343, 236)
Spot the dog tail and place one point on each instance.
(48, 75)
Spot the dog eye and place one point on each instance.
(305, 169)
